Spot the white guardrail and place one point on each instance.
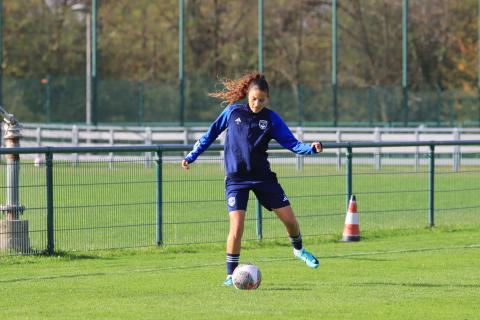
(82, 135)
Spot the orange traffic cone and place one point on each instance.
(351, 231)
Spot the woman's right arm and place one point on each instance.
(209, 137)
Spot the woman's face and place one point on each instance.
(257, 99)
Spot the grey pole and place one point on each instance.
(88, 56)
(334, 63)
(260, 36)
(405, 61)
(94, 97)
(258, 206)
(1, 64)
(85, 14)
(1, 54)
(478, 58)
(181, 60)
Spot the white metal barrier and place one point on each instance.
(82, 135)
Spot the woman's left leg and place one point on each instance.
(271, 195)
(286, 215)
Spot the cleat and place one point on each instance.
(228, 281)
(306, 257)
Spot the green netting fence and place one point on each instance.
(61, 99)
(89, 198)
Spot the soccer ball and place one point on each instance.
(246, 277)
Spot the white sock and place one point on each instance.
(297, 252)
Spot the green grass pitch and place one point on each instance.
(400, 269)
(409, 274)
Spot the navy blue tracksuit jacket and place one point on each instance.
(247, 141)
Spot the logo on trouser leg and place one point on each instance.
(231, 201)
(285, 198)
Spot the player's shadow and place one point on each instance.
(76, 256)
(415, 285)
(289, 288)
(54, 277)
(363, 259)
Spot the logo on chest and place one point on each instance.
(263, 124)
(238, 120)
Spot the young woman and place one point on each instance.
(250, 128)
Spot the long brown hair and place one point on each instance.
(237, 89)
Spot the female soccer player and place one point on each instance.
(250, 128)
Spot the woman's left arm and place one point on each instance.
(284, 136)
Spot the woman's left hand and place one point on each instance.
(318, 146)
(185, 164)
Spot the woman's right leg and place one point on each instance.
(236, 194)
(234, 242)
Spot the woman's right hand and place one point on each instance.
(185, 164)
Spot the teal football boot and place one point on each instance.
(228, 281)
(306, 257)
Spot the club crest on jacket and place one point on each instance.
(263, 124)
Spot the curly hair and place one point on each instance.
(237, 89)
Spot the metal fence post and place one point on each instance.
(75, 143)
(299, 157)
(377, 155)
(148, 141)
(50, 221)
(159, 199)
(111, 142)
(417, 151)
(456, 151)
(339, 151)
(258, 211)
(349, 175)
(431, 187)
(39, 157)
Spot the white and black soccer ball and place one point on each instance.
(246, 277)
